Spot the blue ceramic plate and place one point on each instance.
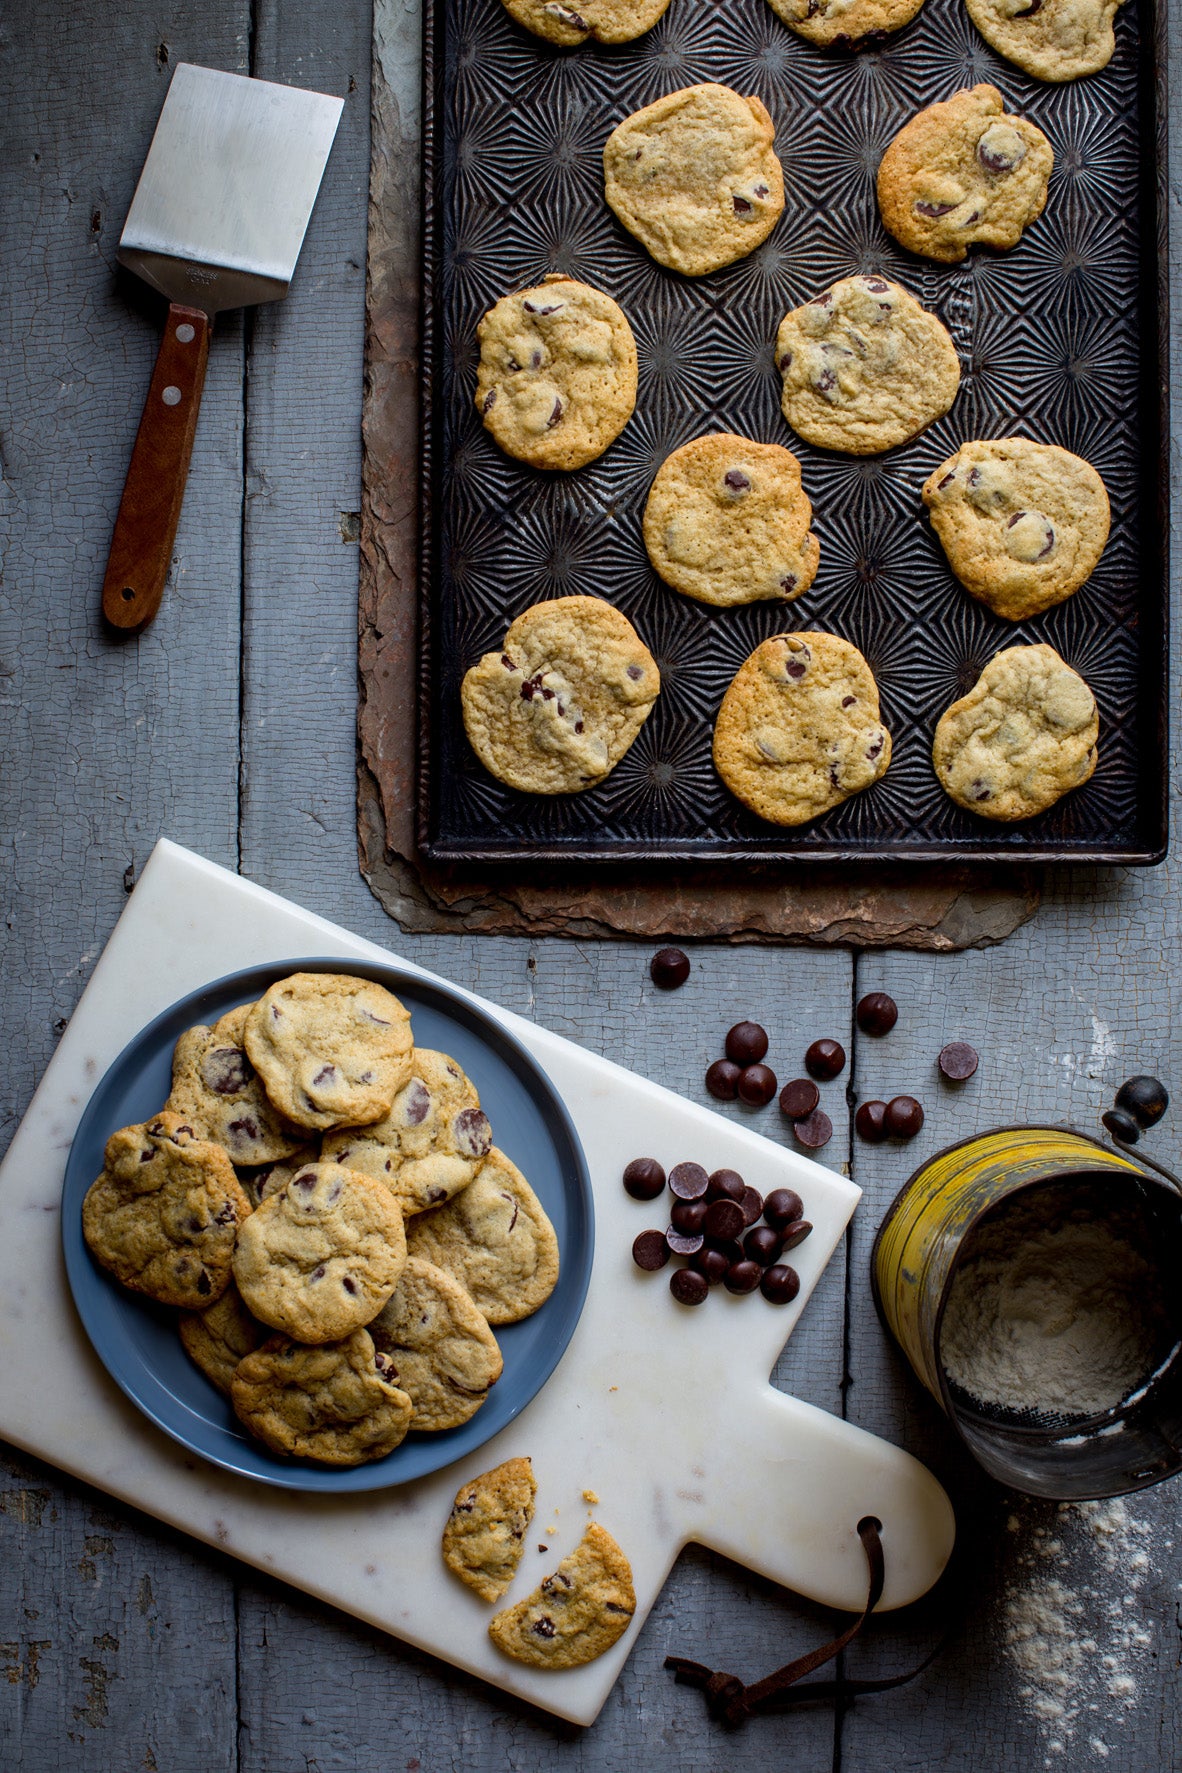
(137, 1340)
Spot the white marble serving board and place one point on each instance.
(632, 1412)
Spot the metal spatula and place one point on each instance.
(217, 221)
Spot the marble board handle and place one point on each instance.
(150, 509)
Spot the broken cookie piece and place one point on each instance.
(576, 1613)
(485, 1532)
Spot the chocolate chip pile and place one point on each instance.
(714, 1224)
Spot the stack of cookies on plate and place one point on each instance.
(865, 368)
(323, 1202)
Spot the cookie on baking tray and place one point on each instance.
(557, 376)
(164, 1213)
(1023, 524)
(339, 1403)
(1051, 39)
(216, 1088)
(799, 730)
(864, 366)
(446, 1355)
(496, 1239)
(431, 1143)
(574, 1614)
(586, 21)
(964, 173)
(332, 1049)
(558, 706)
(727, 522)
(217, 1338)
(321, 1257)
(485, 1532)
(1024, 736)
(845, 21)
(695, 178)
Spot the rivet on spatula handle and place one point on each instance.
(150, 509)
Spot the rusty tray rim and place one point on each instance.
(1155, 380)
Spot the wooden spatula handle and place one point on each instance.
(150, 509)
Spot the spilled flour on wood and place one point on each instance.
(1080, 1682)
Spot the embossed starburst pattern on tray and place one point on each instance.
(1058, 340)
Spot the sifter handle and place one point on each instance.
(150, 509)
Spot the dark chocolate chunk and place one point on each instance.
(722, 1079)
(688, 1216)
(746, 1043)
(799, 1098)
(712, 1263)
(782, 1206)
(752, 1205)
(815, 1130)
(688, 1181)
(726, 1185)
(743, 1277)
(688, 1286)
(644, 1178)
(684, 1243)
(669, 968)
(650, 1251)
(723, 1219)
(796, 1234)
(876, 1013)
(780, 1284)
(904, 1117)
(958, 1060)
(870, 1122)
(763, 1245)
(825, 1059)
(757, 1085)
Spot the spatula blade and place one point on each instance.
(223, 202)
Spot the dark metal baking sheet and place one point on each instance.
(1059, 338)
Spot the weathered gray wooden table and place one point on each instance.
(230, 726)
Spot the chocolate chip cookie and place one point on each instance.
(432, 1142)
(495, 1239)
(323, 1255)
(446, 1355)
(845, 21)
(864, 367)
(585, 21)
(217, 1338)
(332, 1049)
(338, 1403)
(576, 1613)
(963, 173)
(263, 1179)
(557, 376)
(558, 706)
(1024, 736)
(216, 1088)
(1051, 39)
(164, 1213)
(485, 1532)
(1023, 524)
(799, 730)
(695, 178)
(727, 522)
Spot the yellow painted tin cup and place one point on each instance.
(915, 1258)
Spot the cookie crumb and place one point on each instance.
(542, 1547)
(590, 1496)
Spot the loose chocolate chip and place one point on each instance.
(799, 1097)
(870, 1122)
(712, 1263)
(752, 1205)
(472, 1132)
(876, 1013)
(904, 1117)
(650, 1251)
(1145, 1098)
(688, 1286)
(726, 1185)
(796, 1234)
(644, 1178)
(736, 482)
(742, 207)
(555, 415)
(669, 968)
(757, 1085)
(743, 1277)
(780, 1284)
(782, 1206)
(722, 1080)
(1122, 1126)
(745, 1043)
(688, 1181)
(958, 1060)
(723, 1219)
(815, 1130)
(684, 1243)
(825, 1059)
(687, 1216)
(762, 1245)
(934, 210)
